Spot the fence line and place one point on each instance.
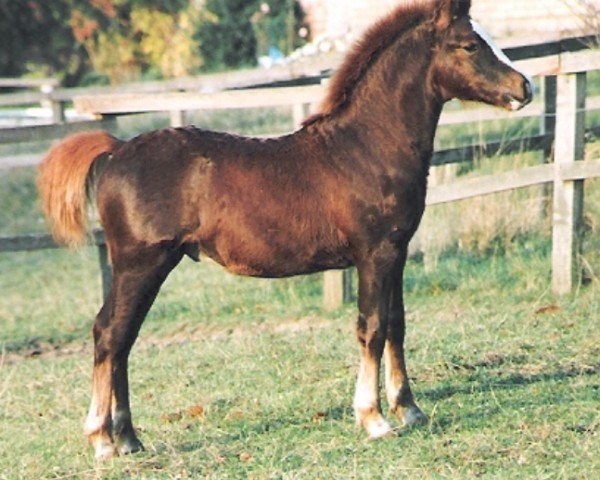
(562, 115)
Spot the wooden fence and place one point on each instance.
(562, 66)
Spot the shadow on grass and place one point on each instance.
(485, 383)
(240, 431)
(477, 415)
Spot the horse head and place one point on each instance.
(468, 65)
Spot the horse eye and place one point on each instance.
(471, 47)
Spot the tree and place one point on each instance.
(125, 38)
(121, 39)
(36, 36)
(229, 30)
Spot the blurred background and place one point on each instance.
(512, 367)
(84, 42)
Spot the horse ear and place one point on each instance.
(448, 10)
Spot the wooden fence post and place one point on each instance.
(105, 269)
(547, 126)
(56, 106)
(548, 118)
(58, 111)
(177, 118)
(337, 288)
(299, 113)
(568, 195)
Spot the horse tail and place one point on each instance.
(64, 181)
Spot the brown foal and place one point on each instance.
(348, 188)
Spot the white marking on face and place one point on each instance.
(497, 50)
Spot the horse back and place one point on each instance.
(260, 207)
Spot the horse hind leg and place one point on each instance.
(137, 278)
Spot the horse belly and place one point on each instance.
(271, 253)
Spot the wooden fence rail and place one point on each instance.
(337, 288)
(562, 113)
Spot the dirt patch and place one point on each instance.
(40, 349)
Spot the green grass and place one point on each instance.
(510, 393)
(508, 374)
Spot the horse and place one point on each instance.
(346, 189)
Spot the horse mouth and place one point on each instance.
(514, 103)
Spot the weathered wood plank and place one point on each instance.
(584, 61)
(177, 118)
(333, 289)
(488, 184)
(28, 82)
(567, 212)
(536, 109)
(24, 243)
(501, 182)
(580, 170)
(105, 269)
(122, 103)
(21, 98)
(300, 111)
(40, 241)
(535, 59)
(554, 47)
(51, 132)
(547, 121)
(251, 98)
(502, 147)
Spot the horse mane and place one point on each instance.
(367, 50)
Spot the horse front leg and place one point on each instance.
(137, 280)
(397, 386)
(371, 334)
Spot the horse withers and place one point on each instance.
(346, 189)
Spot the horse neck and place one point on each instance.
(394, 110)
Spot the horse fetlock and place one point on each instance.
(373, 423)
(410, 415)
(103, 445)
(128, 444)
(124, 434)
(97, 424)
(378, 428)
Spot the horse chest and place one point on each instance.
(391, 213)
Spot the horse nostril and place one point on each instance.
(528, 89)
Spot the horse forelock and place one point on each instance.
(365, 52)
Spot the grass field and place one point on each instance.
(236, 378)
(243, 378)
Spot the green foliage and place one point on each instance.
(125, 38)
(37, 39)
(131, 39)
(232, 33)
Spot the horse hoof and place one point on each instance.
(413, 416)
(127, 446)
(379, 429)
(104, 451)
